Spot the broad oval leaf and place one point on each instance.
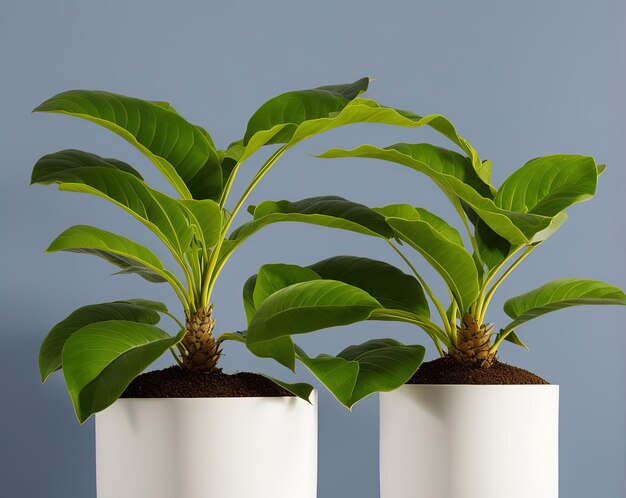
(547, 185)
(101, 359)
(181, 151)
(164, 216)
(52, 346)
(309, 306)
(517, 228)
(124, 253)
(391, 287)
(559, 294)
(379, 365)
(452, 261)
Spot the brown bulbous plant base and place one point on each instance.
(175, 382)
(447, 370)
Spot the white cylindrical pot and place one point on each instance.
(469, 441)
(207, 448)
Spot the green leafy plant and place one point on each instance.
(503, 226)
(102, 347)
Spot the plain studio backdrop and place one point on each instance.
(519, 79)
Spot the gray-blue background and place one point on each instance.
(520, 79)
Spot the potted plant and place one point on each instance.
(185, 431)
(426, 446)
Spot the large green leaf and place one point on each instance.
(547, 185)
(330, 210)
(165, 216)
(274, 277)
(181, 151)
(305, 307)
(451, 260)
(517, 228)
(312, 116)
(378, 365)
(124, 253)
(285, 112)
(51, 165)
(559, 294)
(391, 287)
(52, 346)
(101, 359)
(327, 211)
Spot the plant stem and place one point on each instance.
(431, 329)
(180, 363)
(208, 278)
(435, 301)
(478, 307)
(487, 300)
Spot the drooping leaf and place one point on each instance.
(52, 346)
(299, 389)
(327, 211)
(124, 253)
(407, 212)
(559, 294)
(147, 303)
(391, 287)
(164, 216)
(450, 260)
(330, 210)
(517, 228)
(51, 165)
(181, 151)
(310, 114)
(547, 185)
(378, 365)
(305, 307)
(285, 112)
(101, 359)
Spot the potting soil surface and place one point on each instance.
(449, 371)
(174, 382)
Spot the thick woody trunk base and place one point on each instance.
(473, 343)
(202, 350)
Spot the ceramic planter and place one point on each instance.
(469, 441)
(207, 447)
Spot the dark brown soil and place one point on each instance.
(175, 382)
(449, 371)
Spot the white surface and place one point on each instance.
(458, 441)
(207, 448)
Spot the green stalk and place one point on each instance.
(209, 278)
(478, 308)
(431, 329)
(492, 291)
(436, 302)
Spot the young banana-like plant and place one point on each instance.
(503, 226)
(101, 348)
